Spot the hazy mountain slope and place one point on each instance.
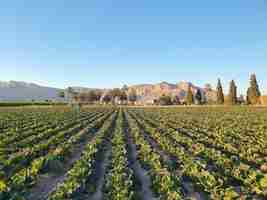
(20, 91)
(148, 92)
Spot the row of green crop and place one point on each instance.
(119, 180)
(18, 139)
(23, 120)
(240, 132)
(27, 154)
(164, 183)
(83, 168)
(208, 181)
(252, 181)
(232, 166)
(17, 184)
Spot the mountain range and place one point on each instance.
(24, 91)
(148, 92)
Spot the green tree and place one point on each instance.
(71, 94)
(116, 92)
(98, 94)
(253, 92)
(107, 98)
(132, 96)
(248, 96)
(176, 100)
(233, 93)
(198, 96)
(123, 96)
(165, 100)
(189, 96)
(70, 90)
(124, 88)
(220, 95)
(119, 94)
(61, 94)
(92, 96)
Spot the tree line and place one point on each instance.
(127, 95)
(252, 97)
(114, 96)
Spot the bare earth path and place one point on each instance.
(139, 172)
(98, 195)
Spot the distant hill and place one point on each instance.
(147, 92)
(23, 91)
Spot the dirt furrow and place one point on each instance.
(100, 175)
(145, 192)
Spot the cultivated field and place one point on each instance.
(133, 153)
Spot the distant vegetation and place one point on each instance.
(162, 94)
(193, 96)
(11, 104)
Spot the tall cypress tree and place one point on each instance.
(248, 96)
(233, 93)
(189, 96)
(220, 95)
(198, 97)
(253, 93)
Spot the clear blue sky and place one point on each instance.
(108, 43)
